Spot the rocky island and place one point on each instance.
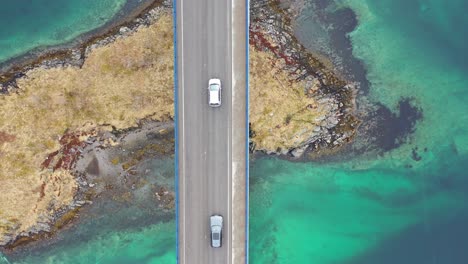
(75, 124)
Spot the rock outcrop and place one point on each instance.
(321, 112)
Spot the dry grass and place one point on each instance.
(281, 114)
(118, 84)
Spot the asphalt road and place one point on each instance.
(204, 52)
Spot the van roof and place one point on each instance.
(214, 98)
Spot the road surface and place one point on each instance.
(211, 141)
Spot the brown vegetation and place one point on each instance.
(118, 85)
(281, 114)
(54, 110)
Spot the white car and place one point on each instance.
(216, 224)
(214, 92)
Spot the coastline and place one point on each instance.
(108, 165)
(74, 143)
(301, 66)
(73, 52)
(381, 130)
(271, 30)
(417, 187)
(114, 169)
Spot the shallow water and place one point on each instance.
(124, 229)
(29, 24)
(408, 205)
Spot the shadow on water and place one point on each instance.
(442, 241)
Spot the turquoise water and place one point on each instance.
(371, 209)
(113, 230)
(29, 24)
(389, 208)
(336, 213)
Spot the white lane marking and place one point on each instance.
(181, 103)
(230, 4)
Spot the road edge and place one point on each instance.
(240, 117)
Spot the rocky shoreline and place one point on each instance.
(72, 147)
(74, 54)
(271, 31)
(104, 164)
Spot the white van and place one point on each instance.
(216, 225)
(214, 92)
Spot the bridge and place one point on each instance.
(211, 143)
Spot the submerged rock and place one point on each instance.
(296, 100)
